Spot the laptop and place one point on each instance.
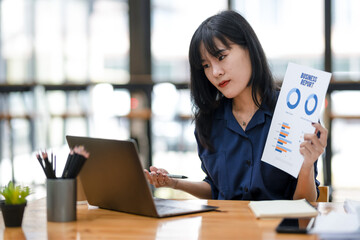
(113, 178)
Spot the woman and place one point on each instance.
(234, 97)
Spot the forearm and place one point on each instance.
(313, 146)
(306, 187)
(198, 189)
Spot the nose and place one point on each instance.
(217, 70)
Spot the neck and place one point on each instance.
(244, 103)
(244, 108)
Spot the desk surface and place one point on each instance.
(234, 221)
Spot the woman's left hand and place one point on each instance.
(313, 146)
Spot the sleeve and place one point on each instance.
(214, 191)
(317, 183)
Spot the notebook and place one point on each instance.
(282, 208)
(113, 178)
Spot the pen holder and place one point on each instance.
(61, 200)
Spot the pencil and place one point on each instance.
(41, 164)
(65, 171)
(48, 166)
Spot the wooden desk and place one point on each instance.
(234, 221)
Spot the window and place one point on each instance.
(173, 24)
(289, 31)
(345, 40)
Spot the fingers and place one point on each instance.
(153, 169)
(310, 152)
(157, 177)
(322, 132)
(314, 144)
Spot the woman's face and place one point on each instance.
(230, 70)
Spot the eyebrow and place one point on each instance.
(217, 53)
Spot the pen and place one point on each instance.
(176, 176)
(171, 175)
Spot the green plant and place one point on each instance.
(15, 194)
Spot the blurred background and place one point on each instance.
(119, 69)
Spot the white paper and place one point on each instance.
(352, 206)
(336, 222)
(299, 104)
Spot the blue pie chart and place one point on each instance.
(292, 91)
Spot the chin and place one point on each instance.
(228, 92)
(229, 97)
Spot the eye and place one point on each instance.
(205, 66)
(221, 57)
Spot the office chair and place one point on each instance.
(324, 194)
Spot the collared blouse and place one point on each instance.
(235, 170)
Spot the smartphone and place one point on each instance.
(295, 225)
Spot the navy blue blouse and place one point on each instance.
(235, 170)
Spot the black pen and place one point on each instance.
(172, 175)
(176, 176)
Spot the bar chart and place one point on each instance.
(283, 143)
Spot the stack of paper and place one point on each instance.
(282, 208)
(340, 225)
(352, 206)
(337, 225)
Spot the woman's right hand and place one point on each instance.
(158, 177)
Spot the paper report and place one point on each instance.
(299, 104)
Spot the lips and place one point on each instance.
(224, 83)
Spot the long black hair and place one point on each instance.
(228, 27)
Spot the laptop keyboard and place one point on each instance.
(165, 206)
(166, 210)
(171, 207)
